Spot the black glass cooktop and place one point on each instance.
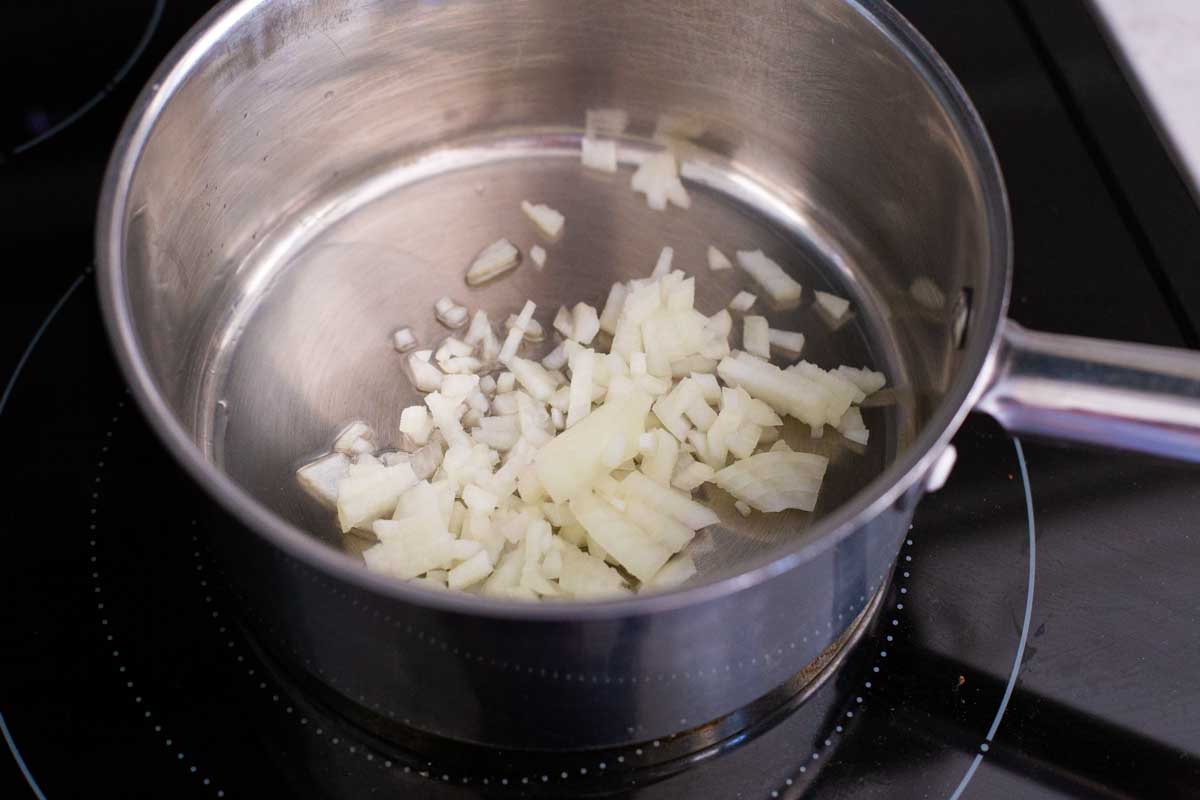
(1038, 640)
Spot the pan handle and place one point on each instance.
(1128, 396)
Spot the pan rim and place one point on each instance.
(900, 478)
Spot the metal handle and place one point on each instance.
(1129, 396)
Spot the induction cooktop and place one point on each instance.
(1038, 639)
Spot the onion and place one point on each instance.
(770, 276)
(403, 340)
(600, 154)
(493, 261)
(320, 478)
(788, 341)
(449, 313)
(836, 307)
(612, 308)
(538, 254)
(742, 301)
(756, 336)
(658, 179)
(718, 260)
(548, 221)
(663, 265)
(416, 424)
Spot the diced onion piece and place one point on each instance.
(538, 254)
(416, 424)
(743, 302)
(533, 377)
(756, 336)
(547, 220)
(770, 276)
(612, 309)
(836, 307)
(659, 464)
(599, 154)
(674, 573)
(718, 260)
(692, 476)
(868, 381)
(669, 501)
(585, 324)
(663, 265)
(586, 577)
(424, 355)
(853, 428)
(470, 572)
(556, 358)
(367, 496)
(683, 296)
(666, 530)
(670, 408)
(533, 328)
(452, 348)
(320, 478)
(479, 329)
(571, 462)
(710, 389)
(788, 341)
(355, 438)
(742, 508)
(493, 261)
(628, 544)
(450, 313)
(580, 397)
(775, 481)
(404, 340)
(458, 387)
(516, 333)
(744, 440)
(699, 412)
(658, 179)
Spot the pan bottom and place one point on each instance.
(307, 348)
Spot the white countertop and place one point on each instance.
(1159, 41)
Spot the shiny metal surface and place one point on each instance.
(303, 177)
(1128, 396)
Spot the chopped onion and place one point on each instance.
(416, 424)
(612, 309)
(403, 340)
(449, 313)
(580, 401)
(600, 154)
(493, 261)
(775, 481)
(663, 265)
(770, 276)
(742, 301)
(355, 438)
(788, 341)
(538, 254)
(718, 260)
(584, 323)
(426, 377)
(867, 381)
(533, 328)
(320, 478)
(756, 336)
(547, 220)
(742, 508)
(836, 307)
(658, 179)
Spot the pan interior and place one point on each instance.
(320, 172)
(311, 350)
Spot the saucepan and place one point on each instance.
(302, 177)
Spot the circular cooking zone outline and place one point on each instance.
(64, 123)
(846, 714)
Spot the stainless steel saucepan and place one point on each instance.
(302, 177)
